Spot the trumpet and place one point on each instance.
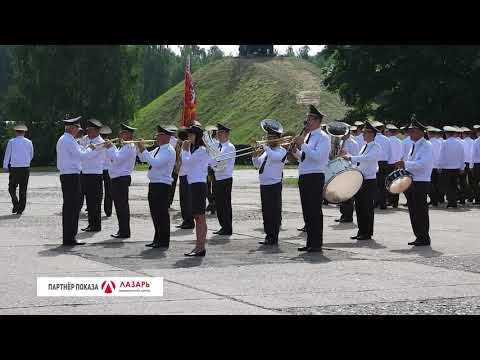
(146, 142)
(254, 147)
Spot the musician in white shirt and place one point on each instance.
(270, 161)
(434, 136)
(92, 175)
(396, 153)
(346, 207)
(367, 163)
(18, 155)
(196, 157)
(359, 136)
(184, 189)
(121, 166)
(313, 152)
(385, 154)
(476, 165)
(451, 163)
(465, 190)
(160, 171)
(223, 183)
(420, 164)
(105, 132)
(69, 157)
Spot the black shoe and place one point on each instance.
(305, 248)
(420, 243)
(344, 220)
(119, 236)
(314, 250)
(108, 215)
(187, 226)
(268, 243)
(452, 206)
(383, 207)
(14, 210)
(196, 253)
(157, 245)
(223, 232)
(74, 243)
(354, 237)
(303, 229)
(218, 231)
(361, 237)
(89, 229)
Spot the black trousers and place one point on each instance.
(381, 189)
(449, 180)
(271, 197)
(346, 209)
(107, 200)
(464, 181)
(71, 191)
(311, 197)
(435, 194)
(185, 200)
(173, 188)
(365, 207)
(476, 182)
(83, 191)
(418, 209)
(158, 198)
(211, 189)
(18, 177)
(94, 196)
(119, 192)
(223, 194)
(392, 199)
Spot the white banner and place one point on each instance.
(100, 286)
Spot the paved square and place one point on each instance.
(238, 276)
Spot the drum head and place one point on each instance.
(343, 186)
(400, 185)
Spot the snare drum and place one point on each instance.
(342, 181)
(398, 181)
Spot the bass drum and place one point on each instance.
(342, 181)
(398, 181)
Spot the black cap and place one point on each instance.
(194, 129)
(94, 123)
(127, 128)
(165, 130)
(221, 127)
(71, 121)
(312, 110)
(415, 124)
(271, 126)
(369, 126)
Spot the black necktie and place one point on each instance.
(361, 152)
(263, 165)
(306, 142)
(156, 152)
(220, 146)
(413, 149)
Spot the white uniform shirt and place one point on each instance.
(396, 149)
(122, 160)
(406, 146)
(452, 155)
(273, 170)
(227, 171)
(70, 154)
(368, 160)
(360, 140)
(420, 161)
(351, 146)
(467, 146)
(476, 151)
(437, 148)
(162, 162)
(316, 153)
(94, 165)
(173, 141)
(197, 165)
(384, 143)
(19, 153)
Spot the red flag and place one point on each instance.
(189, 113)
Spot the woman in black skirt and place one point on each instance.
(196, 158)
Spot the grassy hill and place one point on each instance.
(241, 92)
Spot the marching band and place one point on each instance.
(427, 162)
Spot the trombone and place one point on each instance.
(254, 147)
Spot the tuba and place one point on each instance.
(337, 131)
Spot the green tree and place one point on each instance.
(214, 53)
(303, 52)
(290, 51)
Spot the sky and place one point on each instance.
(233, 49)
